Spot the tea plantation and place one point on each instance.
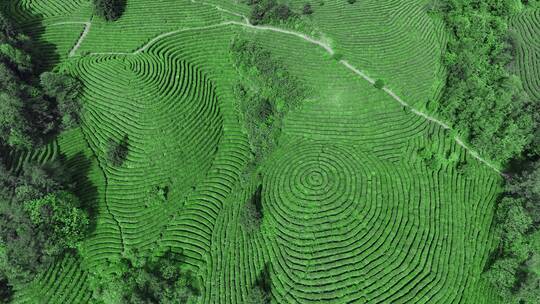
(311, 163)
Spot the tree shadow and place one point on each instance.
(256, 200)
(77, 169)
(264, 284)
(44, 53)
(117, 151)
(121, 7)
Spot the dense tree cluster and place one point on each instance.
(484, 102)
(31, 110)
(40, 217)
(268, 11)
(487, 104)
(515, 272)
(109, 10)
(267, 92)
(136, 279)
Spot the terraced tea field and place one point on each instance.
(364, 199)
(527, 28)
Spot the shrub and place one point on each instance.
(264, 104)
(65, 91)
(351, 1)
(252, 215)
(266, 11)
(379, 84)
(484, 102)
(307, 9)
(117, 151)
(337, 56)
(39, 220)
(110, 10)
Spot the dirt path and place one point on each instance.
(303, 36)
(87, 26)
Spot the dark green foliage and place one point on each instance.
(252, 214)
(337, 56)
(515, 272)
(261, 293)
(65, 90)
(307, 9)
(117, 151)
(257, 296)
(267, 92)
(6, 292)
(379, 84)
(484, 102)
(109, 10)
(29, 113)
(38, 219)
(527, 186)
(141, 280)
(268, 11)
(351, 1)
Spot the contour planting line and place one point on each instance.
(331, 51)
(305, 37)
(219, 8)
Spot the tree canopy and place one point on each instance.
(484, 102)
(136, 279)
(109, 10)
(31, 110)
(40, 217)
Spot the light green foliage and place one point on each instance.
(59, 214)
(484, 102)
(267, 93)
(352, 213)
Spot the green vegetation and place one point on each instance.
(524, 27)
(110, 10)
(514, 270)
(147, 280)
(268, 11)
(482, 99)
(64, 91)
(252, 212)
(267, 93)
(39, 219)
(379, 84)
(307, 9)
(264, 158)
(117, 151)
(30, 112)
